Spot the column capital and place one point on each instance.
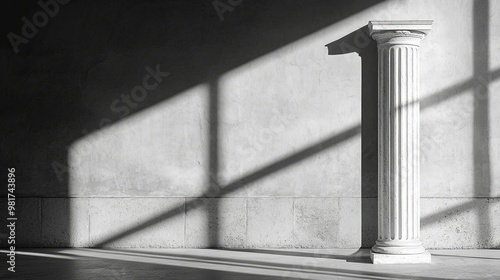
(399, 32)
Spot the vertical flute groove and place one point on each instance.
(416, 159)
(418, 165)
(381, 175)
(404, 143)
(397, 140)
(390, 129)
(412, 144)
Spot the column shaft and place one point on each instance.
(399, 214)
(399, 147)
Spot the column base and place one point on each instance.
(424, 257)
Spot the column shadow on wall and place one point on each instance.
(213, 169)
(360, 42)
(481, 124)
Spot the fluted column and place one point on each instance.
(399, 162)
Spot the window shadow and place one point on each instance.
(51, 104)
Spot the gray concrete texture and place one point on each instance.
(157, 124)
(244, 264)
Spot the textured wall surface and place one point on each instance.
(200, 124)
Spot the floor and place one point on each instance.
(276, 264)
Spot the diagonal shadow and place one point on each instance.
(456, 90)
(450, 212)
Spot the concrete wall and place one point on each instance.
(258, 136)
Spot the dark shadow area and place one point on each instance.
(213, 175)
(58, 266)
(361, 43)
